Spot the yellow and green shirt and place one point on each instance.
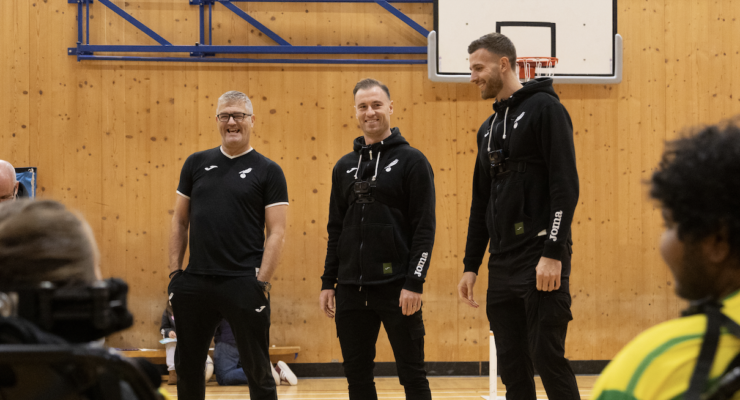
(659, 362)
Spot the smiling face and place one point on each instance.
(373, 110)
(485, 72)
(235, 134)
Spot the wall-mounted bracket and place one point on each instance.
(202, 52)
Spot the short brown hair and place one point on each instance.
(44, 241)
(368, 83)
(497, 44)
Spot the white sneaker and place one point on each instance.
(286, 375)
(275, 375)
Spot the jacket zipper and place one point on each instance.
(362, 239)
(496, 186)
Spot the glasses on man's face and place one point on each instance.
(238, 117)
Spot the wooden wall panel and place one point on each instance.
(109, 139)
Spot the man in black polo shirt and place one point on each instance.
(381, 233)
(227, 196)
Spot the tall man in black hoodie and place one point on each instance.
(525, 190)
(381, 232)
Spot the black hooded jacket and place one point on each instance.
(539, 197)
(391, 237)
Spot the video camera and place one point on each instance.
(497, 159)
(363, 191)
(77, 314)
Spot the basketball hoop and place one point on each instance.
(534, 67)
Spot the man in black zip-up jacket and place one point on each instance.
(525, 191)
(381, 232)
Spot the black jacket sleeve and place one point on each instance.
(475, 246)
(419, 184)
(337, 210)
(167, 326)
(556, 141)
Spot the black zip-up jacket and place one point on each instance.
(541, 193)
(391, 237)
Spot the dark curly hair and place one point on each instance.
(698, 181)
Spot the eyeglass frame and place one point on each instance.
(232, 115)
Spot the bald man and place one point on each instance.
(8, 182)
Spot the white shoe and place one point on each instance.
(286, 375)
(275, 375)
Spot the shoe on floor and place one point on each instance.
(275, 375)
(173, 378)
(286, 375)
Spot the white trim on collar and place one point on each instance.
(238, 155)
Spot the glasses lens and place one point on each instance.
(237, 117)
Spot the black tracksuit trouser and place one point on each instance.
(529, 326)
(360, 311)
(199, 302)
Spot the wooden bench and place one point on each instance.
(158, 356)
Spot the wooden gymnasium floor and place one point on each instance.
(447, 388)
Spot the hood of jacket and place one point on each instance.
(529, 89)
(395, 139)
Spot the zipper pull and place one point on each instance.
(371, 154)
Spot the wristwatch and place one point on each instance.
(266, 286)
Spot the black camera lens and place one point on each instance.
(498, 164)
(362, 187)
(496, 157)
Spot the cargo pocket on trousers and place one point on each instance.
(415, 324)
(554, 308)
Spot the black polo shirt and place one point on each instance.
(228, 197)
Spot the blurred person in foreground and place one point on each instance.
(697, 185)
(49, 260)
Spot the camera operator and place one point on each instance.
(51, 294)
(42, 241)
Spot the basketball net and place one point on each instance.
(535, 67)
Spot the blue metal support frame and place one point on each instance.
(200, 52)
(238, 11)
(408, 21)
(133, 21)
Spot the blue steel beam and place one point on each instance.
(324, 1)
(135, 22)
(238, 11)
(251, 60)
(403, 17)
(202, 24)
(87, 22)
(255, 49)
(79, 23)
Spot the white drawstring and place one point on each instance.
(376, 162)
(506, 114)
(358, 164)
(490, 131)
(376, 167)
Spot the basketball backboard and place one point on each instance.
(582, 34)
